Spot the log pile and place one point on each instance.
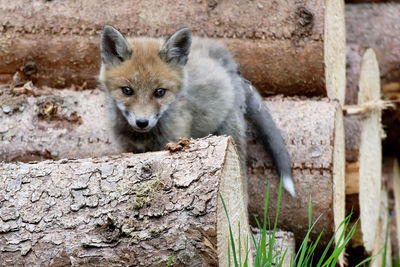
(58, 152)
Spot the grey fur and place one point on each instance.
(215, 99)
(113, 46)
(177, 47)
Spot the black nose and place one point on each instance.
(142, 123)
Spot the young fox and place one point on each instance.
(182, 87)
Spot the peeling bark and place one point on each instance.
(124, 210)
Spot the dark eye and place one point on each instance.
(127, 90)
(160, 92)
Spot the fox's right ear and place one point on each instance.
(177, 47)
(114, 47)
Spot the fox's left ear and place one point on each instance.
(177, 47)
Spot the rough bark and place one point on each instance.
(314, 135)
(284, 242)
(364, 155)
(37, 124)
(296, 47)
(377, 26)
(124, 210)
(317, 150)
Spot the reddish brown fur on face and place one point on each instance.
(144, 72)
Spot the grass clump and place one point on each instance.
(305, 255)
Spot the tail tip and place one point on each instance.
(289, 185)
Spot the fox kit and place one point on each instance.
(183, 87)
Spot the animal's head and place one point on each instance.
(143, 76)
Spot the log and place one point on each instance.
(126, 209)
(314, 135)
(314, 161)
(37, 125)
(391, 176)
(364, 155)
(284, 242)
(296, 47)
(376, 26)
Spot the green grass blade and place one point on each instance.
(367, 260)
(170, 259)
(386, 241)
(332, 239)
(240, 246)
(339, 248)
(304, 245)
(272, 239)
(264, 229)
(245, 264)
(283, 258)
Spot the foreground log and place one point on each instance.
(314, 135)
(296, 47)
(124, 210)
(376, 26)
(364, 155)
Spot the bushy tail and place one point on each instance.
(258, 114)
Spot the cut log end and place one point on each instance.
(339, 162)
(231, 190)
(335, 50)
(364, 154)
(369, 83)
(370, 179)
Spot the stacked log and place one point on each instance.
(313, 132)
(126, 209)
(294, 48)
(377, 26)
(364, 154)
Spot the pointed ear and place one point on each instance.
(114, 47)
(177, 47)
